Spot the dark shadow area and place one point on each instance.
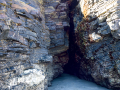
(72, 67)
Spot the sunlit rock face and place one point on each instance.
(27, 34)
(100, 42)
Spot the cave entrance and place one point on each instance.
(70, 81)
(72, 67)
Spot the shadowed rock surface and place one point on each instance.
(97, 36)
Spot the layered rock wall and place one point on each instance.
(99, 41)
(56, 14)
(57, 21)
(34, 42)
(28, 31)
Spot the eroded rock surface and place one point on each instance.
(34, 42)
(28, 31)
(99, 41)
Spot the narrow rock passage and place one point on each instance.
(69, 82)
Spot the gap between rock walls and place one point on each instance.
(95, 58)
(72, 67)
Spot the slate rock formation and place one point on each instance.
(98, 40)
(32, 43)
(36, 42)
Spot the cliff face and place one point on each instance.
(97, 36)
(33, 43)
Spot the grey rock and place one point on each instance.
(25, 39)
(104, 30)
(32, 44)
(101, 58)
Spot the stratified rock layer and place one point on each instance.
(28, 31)
(34, 38)
(98, 39)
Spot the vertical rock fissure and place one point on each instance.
(71, 67)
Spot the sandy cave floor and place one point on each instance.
(69, 82)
